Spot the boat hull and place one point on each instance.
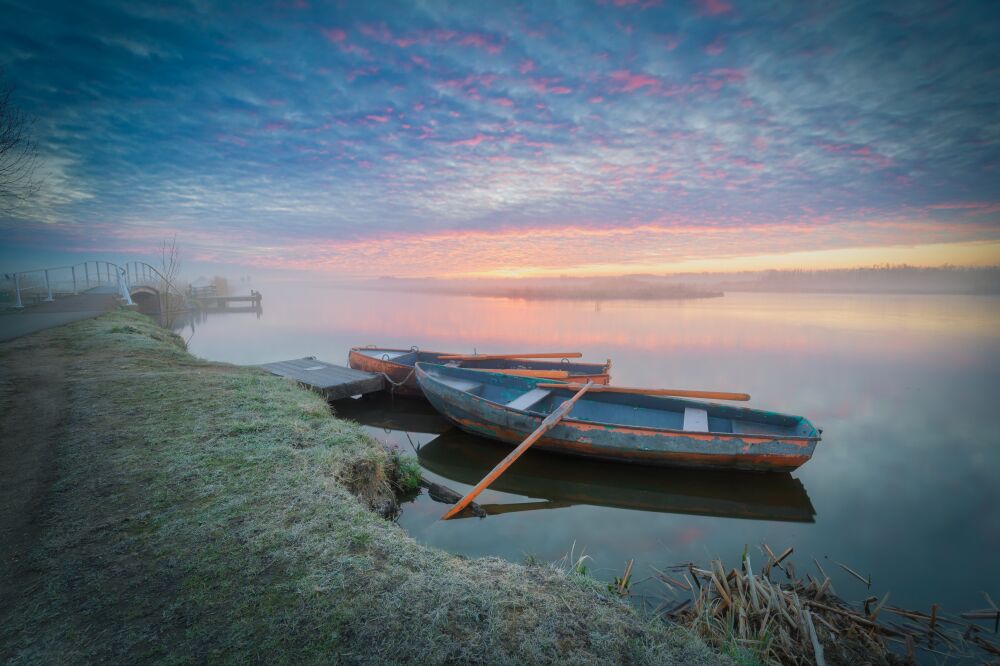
(404, 381)
(622, 443)
(403, 377)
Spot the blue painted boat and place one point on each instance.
(620, 426)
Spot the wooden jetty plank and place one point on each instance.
(332, 381)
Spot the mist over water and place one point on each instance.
(903, 485)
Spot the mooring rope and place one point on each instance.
(395, 384)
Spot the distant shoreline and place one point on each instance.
(543, 294)
(874, 280)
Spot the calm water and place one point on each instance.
(905, 485)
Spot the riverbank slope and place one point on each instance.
(163, 508)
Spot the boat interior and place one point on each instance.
(632, 410)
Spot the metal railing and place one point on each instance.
(46, 284)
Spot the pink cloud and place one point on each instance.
(596, 100)
(545, 86)
(863, 152)
(524, 141)
(377, 119)
(643, 4)
(629, 81)
(503, 101)
(378, 32)
(335, 35)
(715, 47)
(671, 42)
(471, 142)
(361, 71)
(714, 7)
(480, 41)
(420, 61)
(526, 66)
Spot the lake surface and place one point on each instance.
(905, 485)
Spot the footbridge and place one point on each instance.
(133, 283)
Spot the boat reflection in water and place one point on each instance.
(561, 481)
(382, 410)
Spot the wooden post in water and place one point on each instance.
(550, 421)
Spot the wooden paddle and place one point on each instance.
(502, 357)
(550, 421)
(538, 374)
(680, 393)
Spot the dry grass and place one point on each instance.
(206, 512)
(755, 620)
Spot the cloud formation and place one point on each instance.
(298, 132)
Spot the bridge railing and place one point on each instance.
(47, 284)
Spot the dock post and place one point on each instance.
(73, 271)
(86, 274)
(48, 286)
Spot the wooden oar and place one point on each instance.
(502, 357)
(514, 507)
(538, 374)
(680, 393)
(550, 421)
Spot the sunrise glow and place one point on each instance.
(588, 138)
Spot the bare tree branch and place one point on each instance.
(18, 153)
(170, 266)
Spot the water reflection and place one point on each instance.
(191, 319)
(564, 481)
(904, 387)
(386, 412)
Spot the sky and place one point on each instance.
(509, 138)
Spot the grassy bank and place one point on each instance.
(187, 511)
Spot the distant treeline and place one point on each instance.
(603, 291)
(879, 279)
(875, 279)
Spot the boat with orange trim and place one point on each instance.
(625, 427)
(397, 365)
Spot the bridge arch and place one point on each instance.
(147, 299)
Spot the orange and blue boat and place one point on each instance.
(624, 427)
(397, 365)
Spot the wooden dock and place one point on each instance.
(331, 381)
(208, 301)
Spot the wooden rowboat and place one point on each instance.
(562, 481)
(397, 365)
(625, 427)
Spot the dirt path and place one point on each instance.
(34, 318)
(32, 395)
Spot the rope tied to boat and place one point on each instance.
(394, 384)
